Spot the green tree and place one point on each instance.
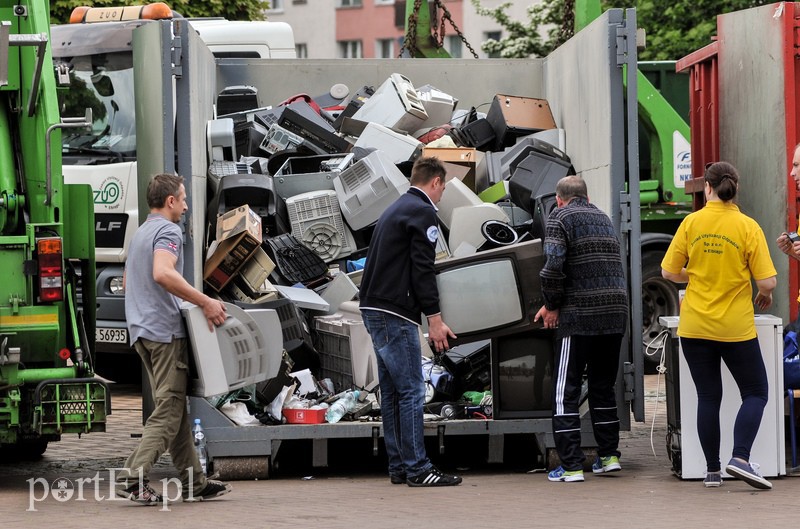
(524, 39)
(230, 9)
(674, 29)
(680, 27)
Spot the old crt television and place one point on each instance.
(522, 375)
(491, 293)
(538, 174)
(501, 165)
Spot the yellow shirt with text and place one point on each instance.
(721, 249)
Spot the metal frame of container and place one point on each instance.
(744, 109)
(584, 79)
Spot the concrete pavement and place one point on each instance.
(644, 494)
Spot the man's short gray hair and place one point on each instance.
(571, 187)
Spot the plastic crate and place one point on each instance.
(334, 360)
(71, 407)
(346, 355)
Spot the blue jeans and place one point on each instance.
(745, 363)
(397, 348)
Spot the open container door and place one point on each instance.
(602, 123)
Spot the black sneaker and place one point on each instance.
(143, 495)
(213, 489)
(397, 479)
(433, 477)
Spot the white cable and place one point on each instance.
(661, 369)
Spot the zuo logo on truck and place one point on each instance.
(110, 193)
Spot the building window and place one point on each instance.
(302, 50)
(384, 48)
(349, 3)
(299, 2)
(493, 35)
(276, 5)
(384, 2)
(453, 45)
(350, 49)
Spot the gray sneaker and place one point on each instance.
(213, 489)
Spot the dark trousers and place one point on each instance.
(745, 363)
(599, 357)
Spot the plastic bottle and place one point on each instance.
(200, 445)
(346, 403)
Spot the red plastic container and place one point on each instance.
(304, 416)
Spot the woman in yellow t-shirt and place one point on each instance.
(717, 250)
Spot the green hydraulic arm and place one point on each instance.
(668, 133)
(419, 39)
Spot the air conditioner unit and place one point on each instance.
(368, 187)
(316, 220)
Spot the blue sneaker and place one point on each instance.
(606, 464)
(713, 479)
(748, 473)
(560, 474)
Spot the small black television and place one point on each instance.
(491, 293)
(522, 375)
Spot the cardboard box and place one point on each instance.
(239, 220)
(256, 272)
(225, 258)
(464, 156)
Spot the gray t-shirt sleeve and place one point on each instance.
(169, 239)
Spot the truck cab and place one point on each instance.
(94, 63)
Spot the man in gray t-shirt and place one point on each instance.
(154, 283)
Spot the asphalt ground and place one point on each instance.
(357, 494)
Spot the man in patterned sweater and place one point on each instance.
(586, 303)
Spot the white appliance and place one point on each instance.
(316, 220)
(399, 147)
(769, 449)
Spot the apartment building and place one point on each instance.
(375, 28)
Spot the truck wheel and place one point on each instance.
(659, 298)
(27, 450)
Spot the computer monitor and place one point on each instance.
(257, 191)
(501, 165)
(456, 194)
(522, 375)
(240, 352)
(491, 293)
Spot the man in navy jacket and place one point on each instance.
(397, 286)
